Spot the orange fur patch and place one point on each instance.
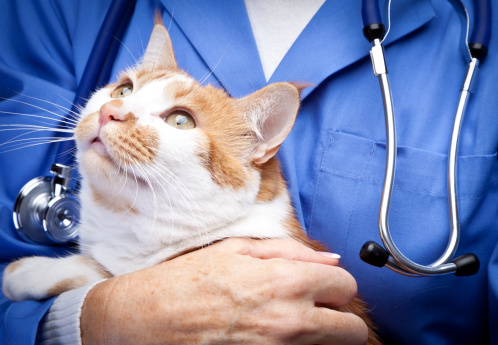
(131, 143)
(98, 267)
(272, 183)
(13, 266)
(228, 134)
(86, 126)
(66, 285)
(297, 233)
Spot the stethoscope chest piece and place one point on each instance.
(46, 210)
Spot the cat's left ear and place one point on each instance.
(159, 51)
(272, 111)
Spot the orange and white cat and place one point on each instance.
(168, 166)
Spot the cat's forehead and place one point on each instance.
(143, 77)
(174, 83)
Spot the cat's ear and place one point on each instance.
(159, 51)
(272, 111)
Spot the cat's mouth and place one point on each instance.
(97, 144)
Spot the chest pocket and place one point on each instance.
(348, 191)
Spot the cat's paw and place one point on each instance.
(42, 277)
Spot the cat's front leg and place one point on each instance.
(41, 277)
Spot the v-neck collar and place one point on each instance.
(221, 33)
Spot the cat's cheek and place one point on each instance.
(86, 130)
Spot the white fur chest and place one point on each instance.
(127, 241)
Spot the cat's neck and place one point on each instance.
(119, 230)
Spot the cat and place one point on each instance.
(169, 166)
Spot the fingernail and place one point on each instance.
(330, 255)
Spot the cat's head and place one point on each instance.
(156, 137)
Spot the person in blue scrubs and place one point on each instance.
(334, 157)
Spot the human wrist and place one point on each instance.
(61, 325)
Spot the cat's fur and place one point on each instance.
(151, 191)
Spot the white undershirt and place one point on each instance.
(276, 25)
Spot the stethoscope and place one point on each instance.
(391, 257)
(46, 210)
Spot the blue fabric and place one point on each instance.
(334, 157)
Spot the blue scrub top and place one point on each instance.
(334, 157)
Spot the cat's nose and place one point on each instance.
(111, 111)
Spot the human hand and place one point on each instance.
(238, 291)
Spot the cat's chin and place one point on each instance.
(97, 149)
(98, 146)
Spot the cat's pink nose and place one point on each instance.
(111, 111)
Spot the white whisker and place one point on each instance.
(184, 193)
(66, 121)
(35, 128)
(77, 106)
(37, 107)
(124, 45)
(36, 144)
(72, 114)
(203, 80)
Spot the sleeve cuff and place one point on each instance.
(61, 325)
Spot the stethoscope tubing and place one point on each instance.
(375, 32)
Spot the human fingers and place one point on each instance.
(285, 248)
(330, 327)
(332, 286)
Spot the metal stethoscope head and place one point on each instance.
(391, 257)
(46, 210)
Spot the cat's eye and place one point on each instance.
(180, 119)
(122, 90)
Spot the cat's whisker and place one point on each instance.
(203, 80)
(124, 176)
(70, 113)
(171, 18)
(202, 230)
(141, 41)
(184, 193)
(43, 142)
(64, 121)
(37, 107)
(172, 175)
(150, 171)
(15, 139)
(126, 47)
(11, 141)
(78, 107)
(71, 151)
(136, 183)
(146, 178)
(125, 173)
(34, 128)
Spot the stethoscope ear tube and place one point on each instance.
(373, 28)
(481, 34)
(391, 257)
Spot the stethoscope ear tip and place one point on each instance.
(467, 265)
(374, 254)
